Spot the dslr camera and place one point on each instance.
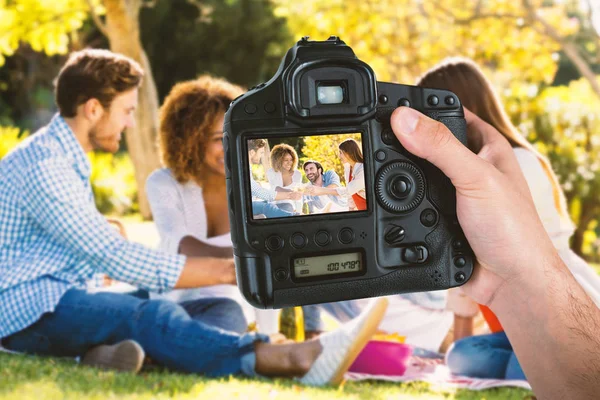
(324, 202)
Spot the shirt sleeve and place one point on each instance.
(542, 192)
(331, 178)
(167, 210)
(261, 193)
(58, 200)
(297, 177)
(272, 178)
(356, 185)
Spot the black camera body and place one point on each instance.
(397, 233)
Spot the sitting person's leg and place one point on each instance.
(220, 312)
(269, 210)
(482, 356)
(173, 339)
(514, 370)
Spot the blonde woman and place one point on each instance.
(491, 356)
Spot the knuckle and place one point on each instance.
(440, 135)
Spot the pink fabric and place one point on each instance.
(434, 371)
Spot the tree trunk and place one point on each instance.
(122, 26)
(588, 213)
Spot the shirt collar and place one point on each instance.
(66, 137)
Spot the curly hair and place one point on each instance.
(186, 116)
(278, 152)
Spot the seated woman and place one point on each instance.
(491, 356)
(189, 203)
(352, 158)
(284, 174)
(188, 196)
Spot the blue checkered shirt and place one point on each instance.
(52, 237)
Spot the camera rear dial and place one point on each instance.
(400, 187)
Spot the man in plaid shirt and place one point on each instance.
(53, 240)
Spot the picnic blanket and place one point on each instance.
(435, 372)
(431, 370)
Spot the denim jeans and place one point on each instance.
(269, 210)
(166, 332)
(484, 356)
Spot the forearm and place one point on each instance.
(463, 327)
(553, 327)
(206, 271)
(192, 247)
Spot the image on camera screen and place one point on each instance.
(306, 175)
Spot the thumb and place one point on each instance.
(433, 141)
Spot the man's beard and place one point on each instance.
(99, 142)
(315, 178)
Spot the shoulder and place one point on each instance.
(162, 179)
(531, 166)
(525, 157)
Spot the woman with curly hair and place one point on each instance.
(188, 196)
(284, 174)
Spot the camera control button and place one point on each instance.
(346, 235)
(394, 234)
(281, 274)
(322, 238)
(388, 137)
(250, 108)
(450, 100)
(460, 277)
(383, 99)
(428, 217)
(433, 100)
(460, 261)
(298, 240)
(415, 254)
(270, 107)
(403, 102)
(380, 155)
(274, 243)
(457, 243)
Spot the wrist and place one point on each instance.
(526, 292)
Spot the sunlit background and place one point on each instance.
(543, 57)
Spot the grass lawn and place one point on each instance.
(33, 378)
(36, 378)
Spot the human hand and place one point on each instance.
(494, 205)
(294, 195)
(227, 272)
(310, 190)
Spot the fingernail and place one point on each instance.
(407, 120)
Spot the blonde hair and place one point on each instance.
(463, 77)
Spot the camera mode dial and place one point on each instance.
(400, 187)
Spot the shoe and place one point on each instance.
(125, 356)
(342, 346)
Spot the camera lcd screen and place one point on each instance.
(308, 267)
(306, 175)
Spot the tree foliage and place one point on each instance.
(324, 149)
(518, 44)
(47, 26)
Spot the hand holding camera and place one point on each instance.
(394, 228)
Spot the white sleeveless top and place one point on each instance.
(179, 211)
(559, 228)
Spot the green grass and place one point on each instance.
(37, 378)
